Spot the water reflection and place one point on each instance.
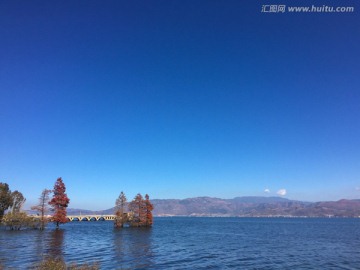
(56, 244)
(133, 247)
(39, 244)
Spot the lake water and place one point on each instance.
(193, 243)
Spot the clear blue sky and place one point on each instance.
(179, 99)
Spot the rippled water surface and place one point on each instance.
(193, 243)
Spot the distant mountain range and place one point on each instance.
(246, 207)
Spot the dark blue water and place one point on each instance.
(193, 243)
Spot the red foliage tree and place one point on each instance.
(59, 203)
(148, 211)
(137, 208)
(141, 211)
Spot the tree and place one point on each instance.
(137, 207)
(120, 204)
(148, 211)
(18, 201)
(141, 211)
(59, 203)
(5, 198)
(42, 207)
(15, 219)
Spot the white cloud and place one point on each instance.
(267, 190)
(281, 192)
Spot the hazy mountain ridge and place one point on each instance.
(240, 206)
(245, 207)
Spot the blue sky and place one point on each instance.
(178, 99)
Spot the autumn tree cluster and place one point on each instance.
(11, 203)
(138, 214)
